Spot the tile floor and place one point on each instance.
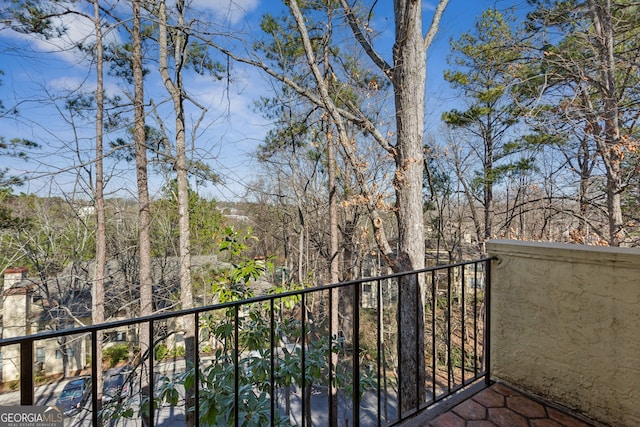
(502, 406)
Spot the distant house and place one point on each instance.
(25, 311)
(29, 307)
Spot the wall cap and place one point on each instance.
(565, 252)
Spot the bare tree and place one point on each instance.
(176, 90)
(97, 295)
(144, 203)
(587, 74)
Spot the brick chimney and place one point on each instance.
(13, 276)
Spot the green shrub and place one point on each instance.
(39, 377)
(160, 352)
(115, 354)
(177, 352)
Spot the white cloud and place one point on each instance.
(231, 11)
(234, 100)
(232, 129)
(65, 84)
(78, 29)
(427, 6)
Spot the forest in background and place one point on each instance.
(541, 146)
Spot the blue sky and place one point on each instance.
(35, 71)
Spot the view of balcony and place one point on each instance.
(537, 331)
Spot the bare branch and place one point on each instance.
(344, 139)
(358, 118)
(435, 23)
(366, 45)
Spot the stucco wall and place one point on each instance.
(565, 325)
(14, 315)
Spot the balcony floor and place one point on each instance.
(499, 405)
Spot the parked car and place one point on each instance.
(74, 396)
(115, 386)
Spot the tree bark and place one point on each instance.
(334, 269)
(610, 145)
(175, 89)
(97, 300)
(409, 79)
(144, 212)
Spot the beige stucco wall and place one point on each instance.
(14, 314)
(565, 325)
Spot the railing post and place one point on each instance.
(463, 319)
(419, 351)
(303, 364)
(95, 365)
(196, 367)
(449, 363)
(356, 356)
(380, 349)
(434, 306)
(331, 390)
(487, 325)
(475, 319)
(399, 345)
(26, 372)
(272, 361)
(236, 365)
(151, 374)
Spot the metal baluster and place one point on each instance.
(26, 372)
(94, 375)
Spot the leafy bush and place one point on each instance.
(177, 352)
(160, 352)
(115, 354)
(39, 377)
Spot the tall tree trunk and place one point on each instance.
(409, 79)
(175, 89)
(488, 189)
(610, 145)
(584, 162)
(334, 256)
(334, 269)
(350, 270)
(301, 247)
(97, 300)
(144, 211)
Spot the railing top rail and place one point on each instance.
(87, 329)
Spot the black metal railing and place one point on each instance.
(283, 358)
